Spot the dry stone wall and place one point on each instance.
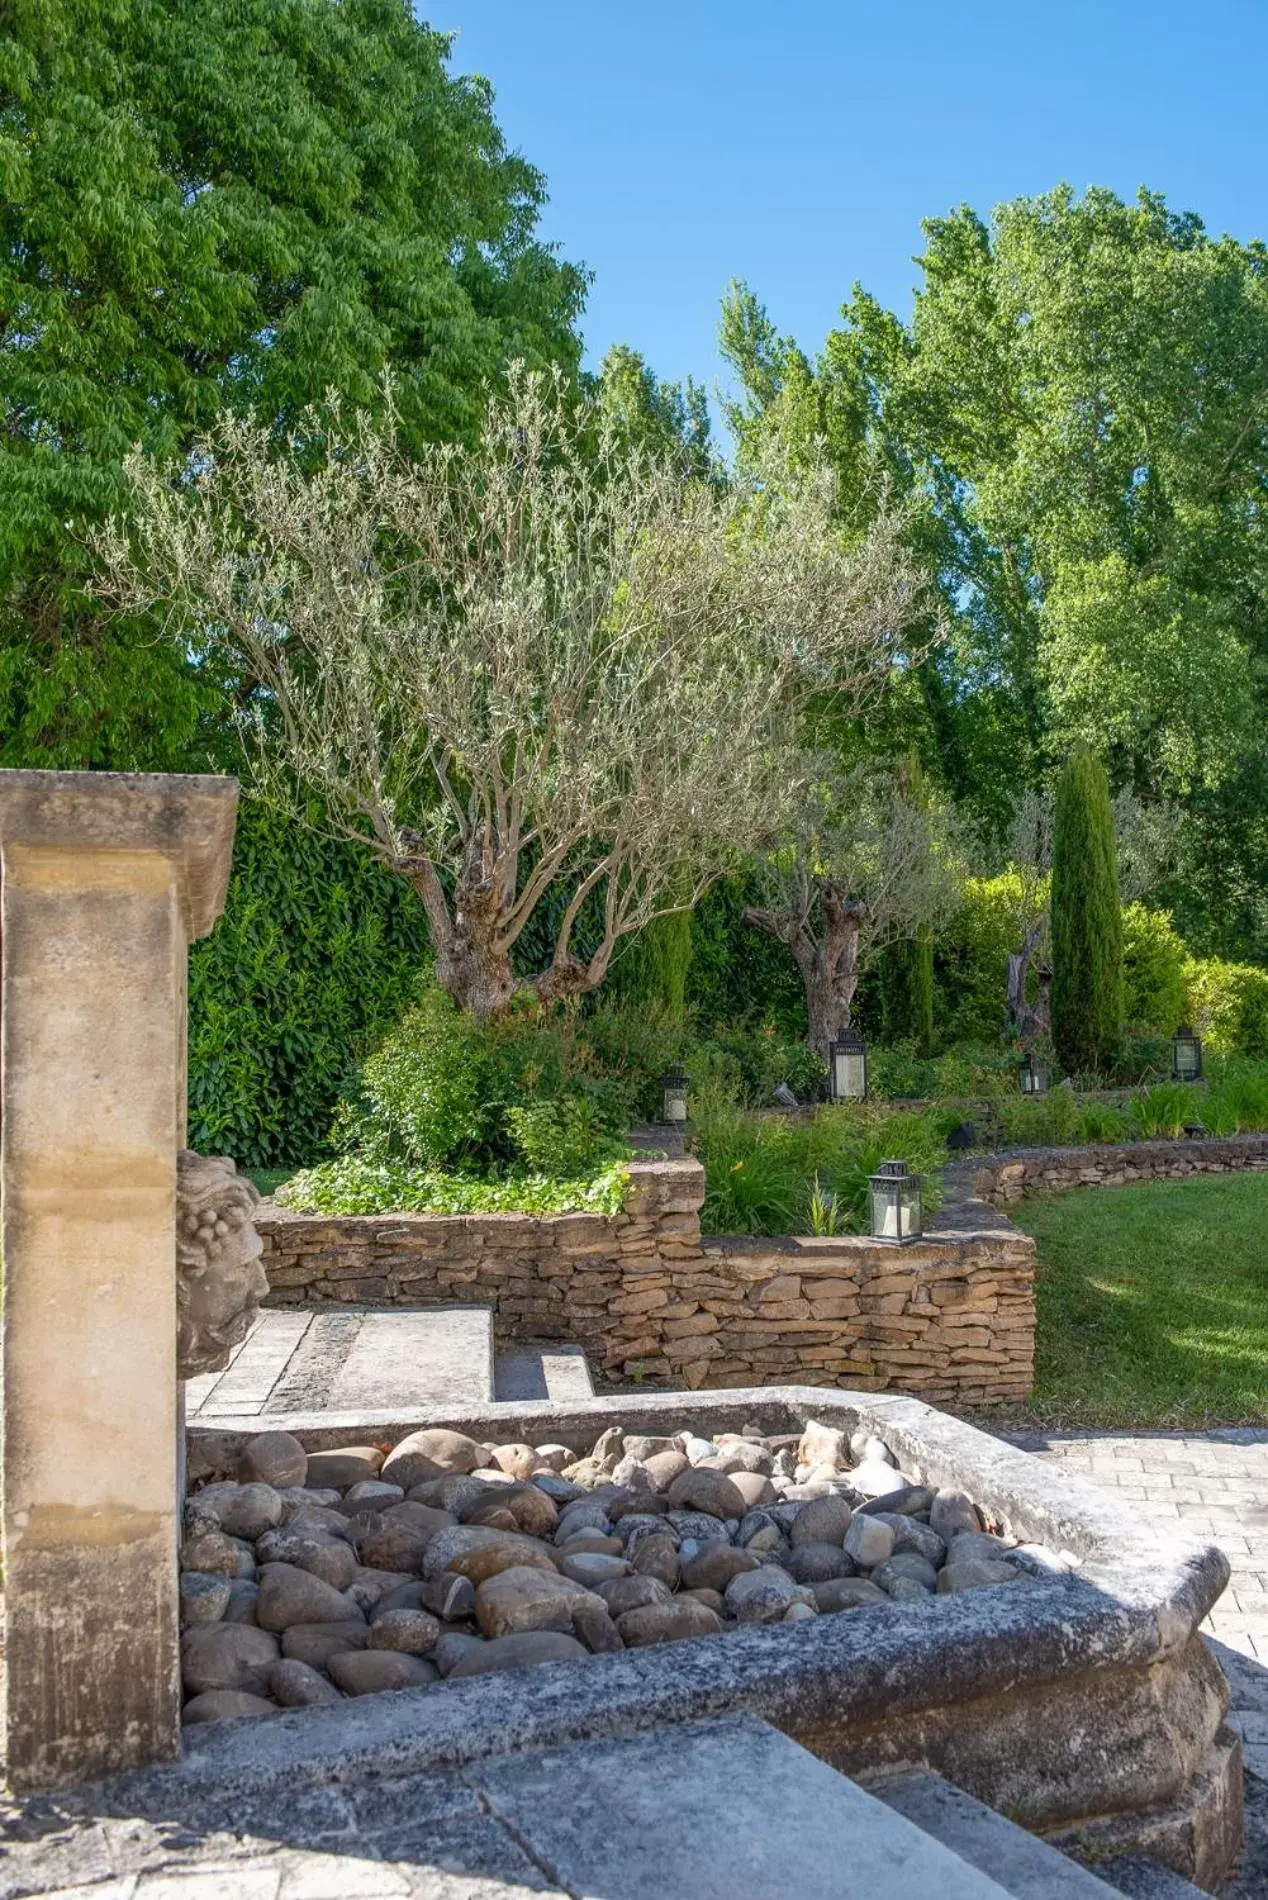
(1003, 1180)
(949, 1319)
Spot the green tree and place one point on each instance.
(1079, 407)
(906, 990)
(1087, 921)
(247, 203)
(663, 418)
(548, 662)
(655, 967)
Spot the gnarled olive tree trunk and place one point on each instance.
(826, 949)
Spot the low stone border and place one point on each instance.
(1004, 1179)
(1086, 1706)
(649, 1297)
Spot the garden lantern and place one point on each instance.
(1032, 1076)
(674, 1095)
(895, 1199)
(1186, 1056)
(847, 1067)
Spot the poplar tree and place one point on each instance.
(1087, 927)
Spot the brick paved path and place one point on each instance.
(1216, 1483)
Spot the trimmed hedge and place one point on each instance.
(316, 955)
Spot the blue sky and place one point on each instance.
(799, 146)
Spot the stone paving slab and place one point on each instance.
(1214, 1483)
(725, 1810)
(299, 1359)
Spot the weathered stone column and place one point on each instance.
(106, 878)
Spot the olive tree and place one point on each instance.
(554, 662)
(863, 862)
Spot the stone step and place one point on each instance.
(350, 1359)
(1021, 1863)
(555, 1372)
(722, 1810)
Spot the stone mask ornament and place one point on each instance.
(219, 1279)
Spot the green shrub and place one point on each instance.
(566, 1138)
(1087, 923)
(1038, 1121)
(970, 960)
(424, 1095)
(763, 1057)
(1228, 1004)
(353, 1184)
(1154, 960)
(895, 1075)
(1142, 1059)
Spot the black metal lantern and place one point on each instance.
(1032, 1076)
(674, 1095)
(847, 1067)
(1186, 1056)
(895, 1204)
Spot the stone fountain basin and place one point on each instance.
(1086, 1707)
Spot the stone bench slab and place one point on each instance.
(349, 1359)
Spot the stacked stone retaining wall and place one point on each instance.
(1004, 1179)
(949, 1319)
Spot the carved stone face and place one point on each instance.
(219, 1279)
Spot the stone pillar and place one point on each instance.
(105, 878)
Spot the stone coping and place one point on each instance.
(1135, 1603)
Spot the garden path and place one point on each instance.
(1216, 1483)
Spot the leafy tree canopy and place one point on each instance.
(660, 417)
(247, 203)
(1080, 404)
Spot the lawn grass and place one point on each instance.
(1152, 1303)
(268, 1180)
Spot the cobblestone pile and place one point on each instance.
(314, 1576)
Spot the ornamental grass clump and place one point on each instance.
(772, 1175)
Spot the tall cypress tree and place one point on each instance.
(920, 979)
(1087, 927)
(906, 984)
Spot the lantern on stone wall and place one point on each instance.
(1186, 1056)
(895, 1203)
(847, 1067)
(674, 1095)
(1032, 1076)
